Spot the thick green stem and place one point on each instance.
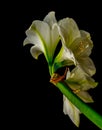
(83, 107)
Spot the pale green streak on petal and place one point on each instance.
(68, 31)
(70, 110)
(43, 31)
(49, 37)
(85, 96)
(54, 36)
(33, 38)
(43, 34)
(64, 58)
(65, 54)
(35, 51)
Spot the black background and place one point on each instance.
(30, 100)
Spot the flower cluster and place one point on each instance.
(76, 47)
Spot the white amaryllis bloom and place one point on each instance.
(79, 42)
(44, 35)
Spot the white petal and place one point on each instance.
(85, 34)
(54, 37)
(39, 35)
(52, 22)
(87, 65)
(26, 41)
(50, 18)
(64, 58)
(81, 47)
(35, 51)
(43, 31)
(68, 55)
(49, 36)
(33, 38)
(79, 80)
(68, 31)
(85, 96)
(70, 110)
(45, 35)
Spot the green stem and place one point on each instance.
(50, 69)
(83, 107)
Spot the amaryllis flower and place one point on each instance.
(78, 42)
(44, 35)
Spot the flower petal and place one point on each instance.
(70, 110)
(87, 65)
(85, 96)
(85, 34)
(52, 22)
(64, 58)
(42, 30)
(82, 46)
(68, 30)
(45, 36)
(35, 51)
(32, 38)
(50, 18)
(79, 80)
(48, 33)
